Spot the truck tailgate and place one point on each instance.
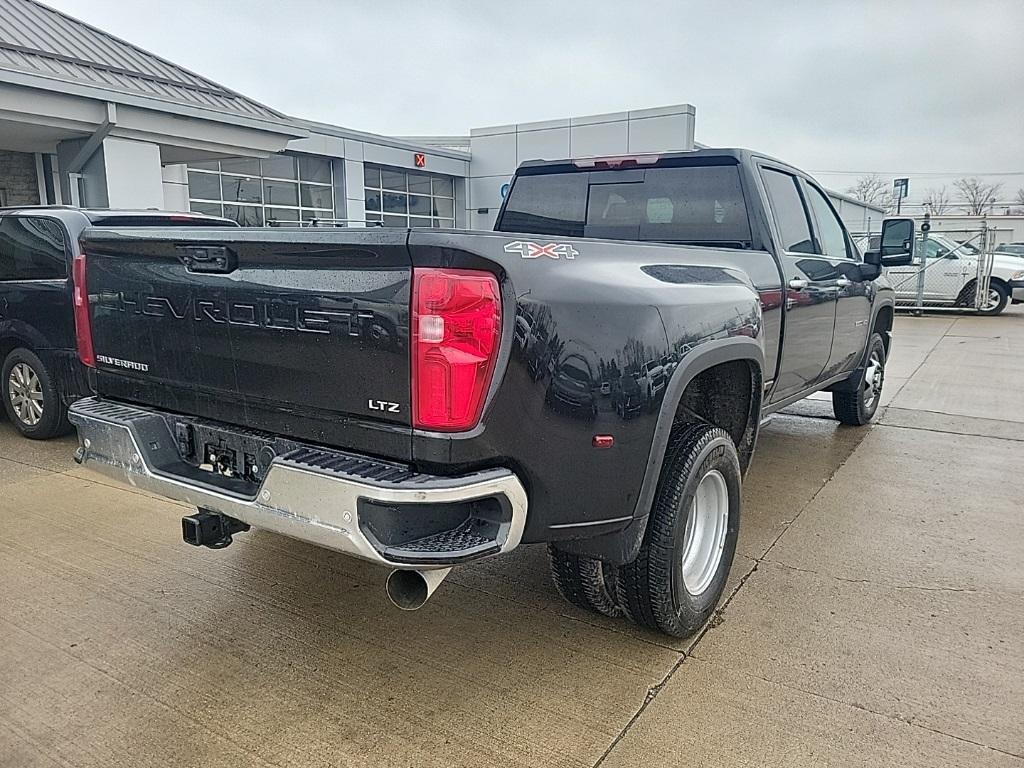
(303, 333)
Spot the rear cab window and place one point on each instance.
(32, 248)
(687, 203)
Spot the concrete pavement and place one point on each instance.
(875, 613)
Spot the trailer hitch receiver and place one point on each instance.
(210, 529)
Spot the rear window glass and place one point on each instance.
(684, 204)
(31, 248)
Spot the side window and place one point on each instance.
(830, 229)
(789, 212)
(31, 248)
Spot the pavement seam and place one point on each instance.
(957, 434)
(963, 416)
(886, 585)
(716, 618)
(910, 722)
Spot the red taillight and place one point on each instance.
(83, 325)
(456, 326)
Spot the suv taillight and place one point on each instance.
(83, 325)
(456, 326)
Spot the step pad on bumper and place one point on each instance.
(376, 510)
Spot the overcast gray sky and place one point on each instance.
(894, 87)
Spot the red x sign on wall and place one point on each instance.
(420, 160)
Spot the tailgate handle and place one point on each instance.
(208, 259)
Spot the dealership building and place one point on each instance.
(89, 119)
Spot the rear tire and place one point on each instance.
(858, 406)
(679, 575)
(31, 399)
(585, 582)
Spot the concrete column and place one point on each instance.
(134, 176)
(355, 198)
(175, 182)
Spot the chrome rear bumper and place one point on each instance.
(304, 494)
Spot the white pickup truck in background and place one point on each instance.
(950, 282)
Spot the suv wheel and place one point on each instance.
(30, 398)
(585, 581)
(857, 407)
(677, 579)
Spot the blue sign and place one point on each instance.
(504, 190)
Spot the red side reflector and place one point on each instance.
(603, 441)
(83, 325)
(456, 326)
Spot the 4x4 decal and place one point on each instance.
(530, 250)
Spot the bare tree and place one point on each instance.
(976, 194)
(1019, 211)
(937, 201)
(871, 189)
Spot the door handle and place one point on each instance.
(797, 284)
(843, 282)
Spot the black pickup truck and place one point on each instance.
(592, 375)
(39, 368)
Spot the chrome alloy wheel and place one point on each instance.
(706, 526)
(874, 376)
(26, 393)
(991, 301)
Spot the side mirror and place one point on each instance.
(897, 242)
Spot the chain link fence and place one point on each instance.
(952, 270)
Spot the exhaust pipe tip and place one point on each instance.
(409, 590)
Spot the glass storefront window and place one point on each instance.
(392, 180)
(279, 167)
(281, 192)
(241, 189)
(244, 165)
(443, 186)
(444, 208)
(316, 169)
(316, 196)
(210, 209)
(246, 215)
(395, 203)
(282, 214)
(420, 206)
(280, 188)
(408, 198)
(203, 186)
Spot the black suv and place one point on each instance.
(41, 374)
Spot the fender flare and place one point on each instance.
(620, 547)
(700, 359)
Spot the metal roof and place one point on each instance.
(39, 40)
